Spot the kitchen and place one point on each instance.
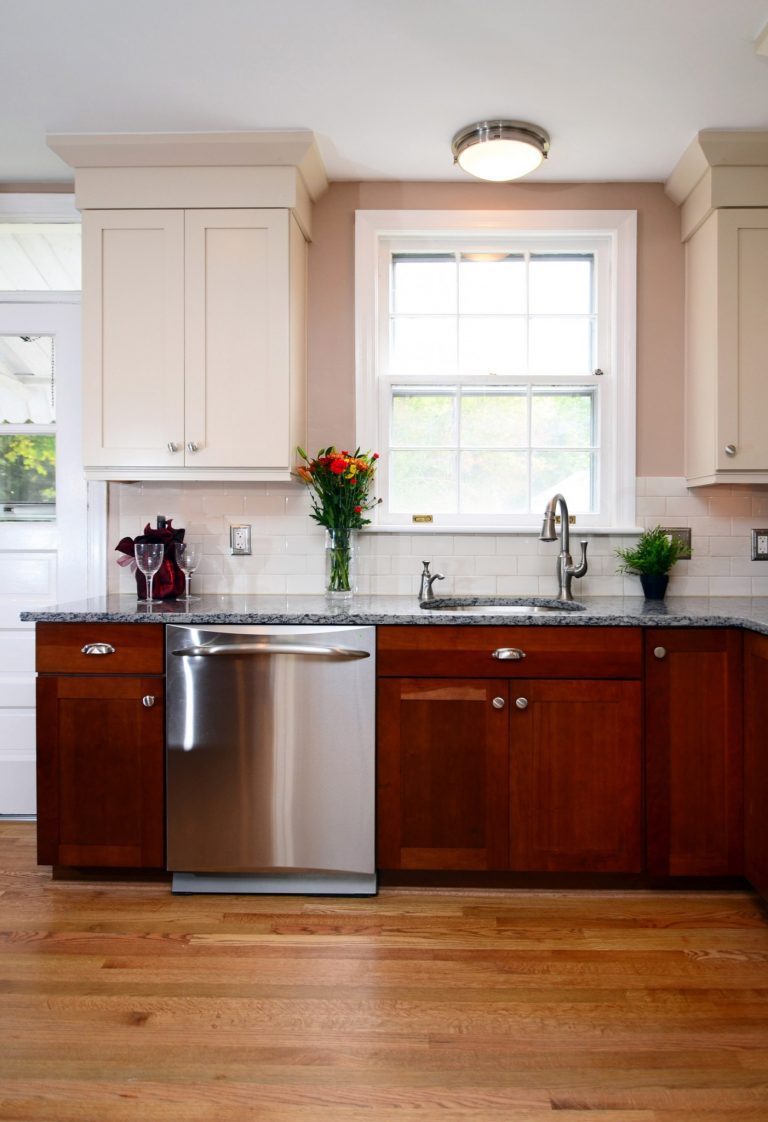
(287, 562)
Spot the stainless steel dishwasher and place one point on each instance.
(270, 759)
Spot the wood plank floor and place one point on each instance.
(120, 1003)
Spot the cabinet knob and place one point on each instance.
(148, 701)
(508, 653)
(660, 652)
(192, 446)
(173, 446)
(498, 703)
(521, 702)
(730, 449)
(97, 649)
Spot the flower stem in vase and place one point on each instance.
(340, 550)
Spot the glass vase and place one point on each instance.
(340, 563)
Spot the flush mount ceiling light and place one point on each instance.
(500, 150)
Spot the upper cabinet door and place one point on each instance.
(133, 338)
(726, 344)
(238, 391)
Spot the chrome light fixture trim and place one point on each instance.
(500, 150)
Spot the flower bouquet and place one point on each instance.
(339, 488)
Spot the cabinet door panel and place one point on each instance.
(237, 328)
(756, 761)
(694, 752)
(576, 777)
(100, 771)
(442, 775)
(133, 337)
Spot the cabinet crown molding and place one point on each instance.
(266, 148)
(719, 168)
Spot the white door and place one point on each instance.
(41, 561)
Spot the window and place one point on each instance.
(496, 367)
(40, 261)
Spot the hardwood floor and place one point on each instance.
(119, 1002)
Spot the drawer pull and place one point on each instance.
(505, 653)
(98, 649)
(148, 701)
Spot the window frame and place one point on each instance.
(613, 234)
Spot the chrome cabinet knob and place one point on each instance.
(498, 703)
(660, 652)
(521, 702)
(192, 446)
(173, 446)
(148, 701)
(730, 449)
(97, 649)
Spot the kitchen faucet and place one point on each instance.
(566, 570)
(427, 580)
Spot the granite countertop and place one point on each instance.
(598, 611)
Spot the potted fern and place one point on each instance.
(651, 558)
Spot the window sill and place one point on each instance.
(513, 531)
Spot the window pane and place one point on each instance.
(494, 482)
(491, 344)
(423, 418)
(423, 284)
(561, 345)
(562, 418)
(27, 470)
(560, 284)
(568, 472)
(424, 345)
(40, 256)
(26, 379)
(488, 286)
(495, 419)
(423, 483)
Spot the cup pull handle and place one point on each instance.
(97, 649)
(508, 653)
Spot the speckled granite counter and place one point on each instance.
(600, 611)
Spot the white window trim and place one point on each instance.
(619, 226)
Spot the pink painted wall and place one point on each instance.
(659, 296)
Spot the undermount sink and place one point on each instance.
(509, 607)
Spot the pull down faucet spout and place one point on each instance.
(566, 570)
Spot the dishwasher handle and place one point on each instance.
(232, 649)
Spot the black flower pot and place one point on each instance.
(654, 585)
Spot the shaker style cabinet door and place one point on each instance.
(133, 339)
(576, 776)
(442, 774)
(100, 761)
(693, 729)
(756, 761)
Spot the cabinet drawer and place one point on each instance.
(137, 648)
(548, 652)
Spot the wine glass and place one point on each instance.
(149, 558)
(188, 555)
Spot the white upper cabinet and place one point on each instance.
(194, 315)
(722, 185)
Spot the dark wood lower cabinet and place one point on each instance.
(756, 761)
(532, 776)
(576, 777)
(100, 771)
(694, 781)
(442, 774)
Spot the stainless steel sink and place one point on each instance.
(509, 607)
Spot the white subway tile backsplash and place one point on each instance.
(288, 547)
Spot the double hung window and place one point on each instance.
(495, 366)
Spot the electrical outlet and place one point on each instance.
(240, 540)
(683, 535)
(760, 545)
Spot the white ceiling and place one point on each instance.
(621, 85)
